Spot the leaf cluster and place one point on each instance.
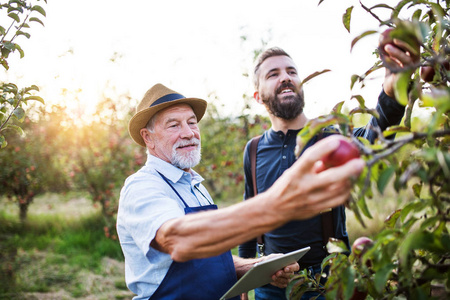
(410, 257)
(20, 15)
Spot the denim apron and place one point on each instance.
(206, 278)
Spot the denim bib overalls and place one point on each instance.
(196, 279)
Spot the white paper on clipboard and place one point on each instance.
(261, 273)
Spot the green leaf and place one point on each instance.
(11, 8)
(420, 240)
(414, 206)
(395, 129)
(359, 37)
(314, 75)
(382, 6)
(19, 113)
(39, 9)
(336, 246)
(355, 209)
(34, 19)
(417, 188)
(328, 260)
(348, 278)
(391, 220)
(401, 88)
(445, 167)
(362, 204)
(3, 142)
(354, 78)
(26, 34)
(338, 107)
(9, 45)
(372, 112)
(430, 222)
(384, 178)
(14, 16)
(15, 128)
(37, 98)
(361, 101)
(381, 277)
(346, 18)
(32, 87)
(313, 127)
(22, 54)
(416, 15)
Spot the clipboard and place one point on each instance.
(261, 273)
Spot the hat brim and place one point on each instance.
(140, 119)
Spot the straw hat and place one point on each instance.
(157, 98)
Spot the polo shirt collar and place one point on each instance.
(279, 135)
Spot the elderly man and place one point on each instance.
(175, 242)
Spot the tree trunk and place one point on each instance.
(23, 210)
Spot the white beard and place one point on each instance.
(187, 160)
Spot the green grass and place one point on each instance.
(59, 256)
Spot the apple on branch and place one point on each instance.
(344, 152)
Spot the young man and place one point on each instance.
(278, 88)
(175, 242)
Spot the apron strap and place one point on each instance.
(167, 181)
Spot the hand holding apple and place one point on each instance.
(404, 48)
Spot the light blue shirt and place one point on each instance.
(146, 202)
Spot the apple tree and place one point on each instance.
(410, 257)
(32, 164)
(18, 16)
(102, 155)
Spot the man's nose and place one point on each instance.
(285, 77)
(186, 131)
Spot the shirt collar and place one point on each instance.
(279, 135)
(171, 172)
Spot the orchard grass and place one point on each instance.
(59, 255)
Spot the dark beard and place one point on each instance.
(288, 109)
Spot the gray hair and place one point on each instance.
(151, 123)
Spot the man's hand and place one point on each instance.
(282, 277)
(404, 56)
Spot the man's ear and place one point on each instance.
(147, 137)
(257, 97)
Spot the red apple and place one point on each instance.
(360, 245)
(358, 295)
(344, 152)
(427, 72)
(385, 38)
